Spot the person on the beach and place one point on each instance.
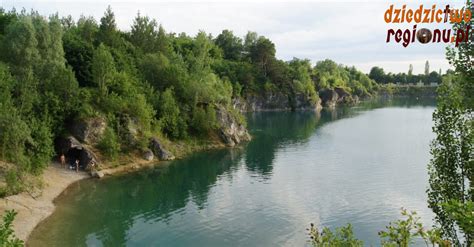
(92, 166)
(77, 165)
(62, 159)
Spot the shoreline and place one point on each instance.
(57, 180)
(33, 210)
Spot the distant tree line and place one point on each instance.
(451, 168)
(378, 74)
(56, 70)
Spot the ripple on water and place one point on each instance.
(358, 165)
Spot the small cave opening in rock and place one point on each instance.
(73, 150)
(72, 155)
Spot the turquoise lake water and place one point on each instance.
(354, 164)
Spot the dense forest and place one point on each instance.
(55, 71)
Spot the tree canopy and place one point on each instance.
(55, 71)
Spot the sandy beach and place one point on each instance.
(32, 210)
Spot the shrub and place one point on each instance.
(169, 113)
(41, 149)
(14, 183)
(341, 237)
(7, 236)
(203, 120)
(109, 144)
(400, 233)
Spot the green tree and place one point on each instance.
(49, 43)
(5, 19)
(400, 233)
(163, 42)
(461, 58)
(108, 28)
(19, 47)
(262, 54)
(109, 144)
(41, 147)
(434, 77)
(78, 43)
(103, 69)
(301, 75)
(169, 114)
(377, 74)
(451, 168)
(231, 45)
(462, 214)
(14, 131)
(203, 120)
(144, 33)
(87, 29)
(250, 41)
(328, 74)
(427, 68)
(342, 236)
(199, 58)
(157, 71)
(7, 236)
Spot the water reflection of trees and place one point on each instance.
(406, 102)
(108, 210)
(272, 130)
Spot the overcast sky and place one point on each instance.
(348, 32)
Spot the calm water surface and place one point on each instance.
(358, 165)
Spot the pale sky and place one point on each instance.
(348, 32)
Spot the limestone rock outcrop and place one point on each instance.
(159, 150)
(231, 130)
(73, 149)
(148, 155)
(90, 130)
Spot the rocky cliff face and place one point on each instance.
(159, 150)
(90, 130)
(303, 102)
(276, 102)
(267, 102)
(73, 149)
(330, 98)
(231, 130)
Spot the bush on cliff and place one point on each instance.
(54, 71)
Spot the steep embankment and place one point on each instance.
(276, 101)
(32, 209)
(86, 133)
